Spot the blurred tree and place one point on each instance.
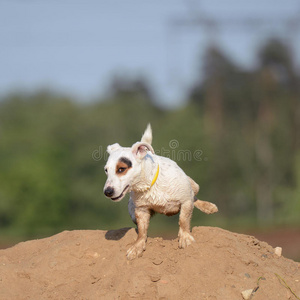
(276, 125)
(224, 100)
(124, 87)
(252, 125)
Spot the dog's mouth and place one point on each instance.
(122, 194)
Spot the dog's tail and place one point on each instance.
(204, 206)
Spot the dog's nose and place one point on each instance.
(109, 191)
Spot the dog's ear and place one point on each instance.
(147, 136)
(140, 150)
(113, 147)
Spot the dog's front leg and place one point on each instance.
(142, 216)
(185, 237)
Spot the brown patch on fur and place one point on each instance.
(122, 168)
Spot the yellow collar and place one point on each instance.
(155, 176)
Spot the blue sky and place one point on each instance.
(76, 47)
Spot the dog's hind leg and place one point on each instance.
(185, 237)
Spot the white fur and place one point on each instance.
(172, 192)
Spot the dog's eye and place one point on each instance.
(121, 170)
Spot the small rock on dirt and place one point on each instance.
(247, 294)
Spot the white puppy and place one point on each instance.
(156, 184)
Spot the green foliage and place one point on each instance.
(238, 137)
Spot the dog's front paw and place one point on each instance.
(185, 239)
(136, 250)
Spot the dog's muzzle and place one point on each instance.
(109, 192)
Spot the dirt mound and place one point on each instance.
(92, 265)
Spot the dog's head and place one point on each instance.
(124, 166)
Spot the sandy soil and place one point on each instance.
(289, 239)
(92, 265)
